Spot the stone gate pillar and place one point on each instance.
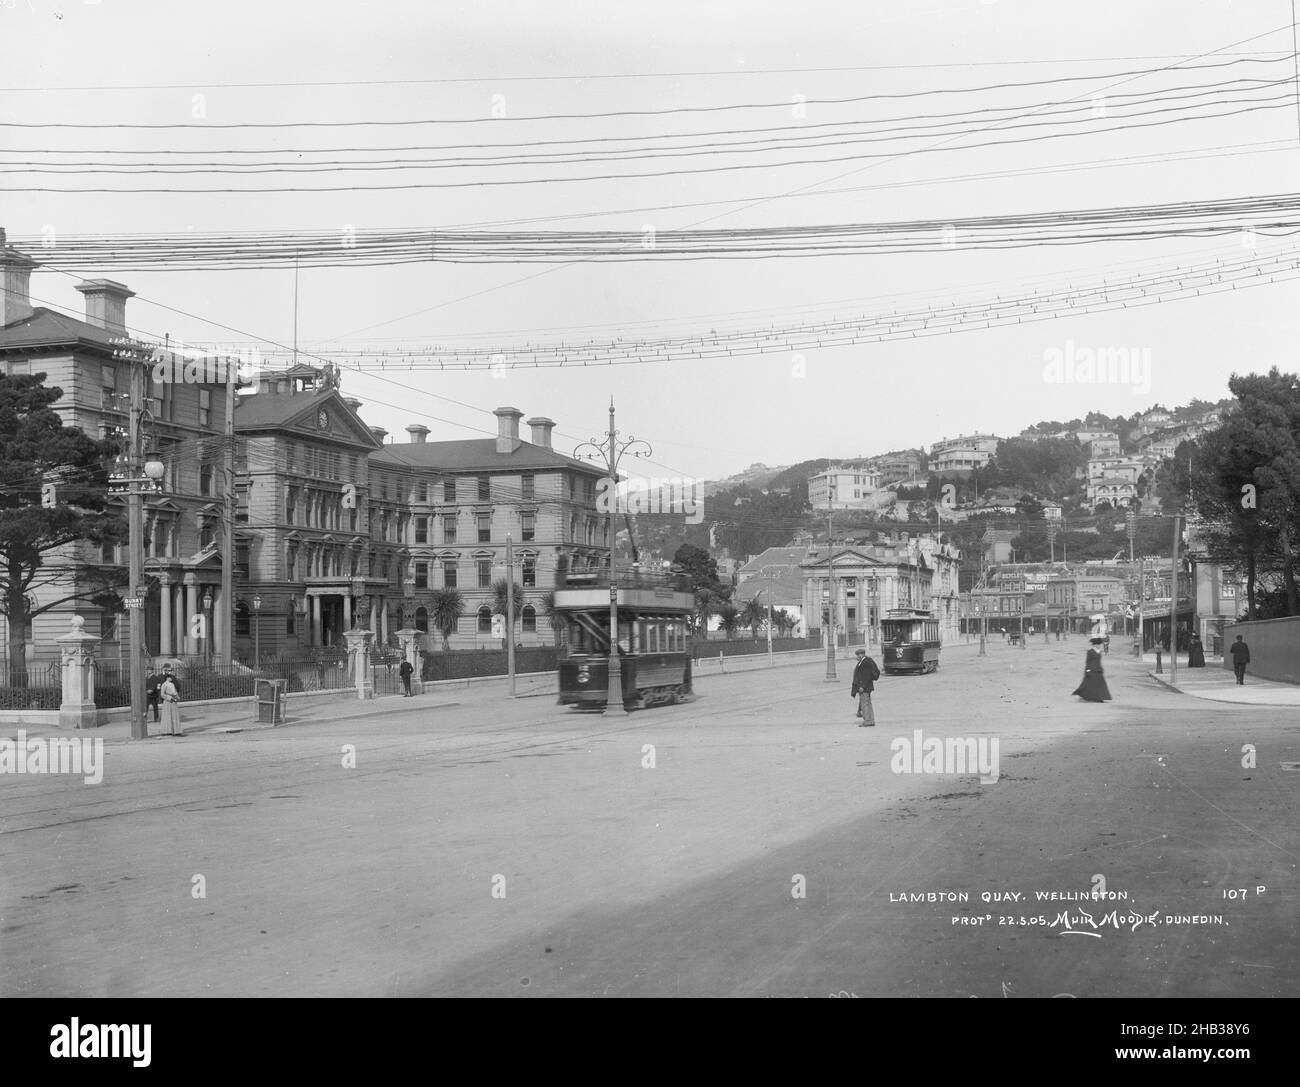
(359, 642)
(77, 709)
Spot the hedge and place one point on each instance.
(470, 663)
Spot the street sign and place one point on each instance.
(134, 601)
(613, 595)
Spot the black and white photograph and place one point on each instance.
(679, 500)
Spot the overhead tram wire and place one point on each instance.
(671, 111)
(1283, 101)
(808, 130)
(605, 75)
(1273, 213)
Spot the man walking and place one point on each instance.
(152, 692)
(405, 672)
(1240, 658)
(865, 675)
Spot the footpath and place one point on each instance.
(1215, 683)
(343, 705)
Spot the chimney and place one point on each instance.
(508, 429)
(418, 433)
(106, 303)
(352, 402)
(15, 279)
(542, 428)
(380, 434)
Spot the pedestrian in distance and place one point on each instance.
(170, 695)
(405, 672)
(152, 686)
(1196, 653)
(1240, 658)
(1093, 688)
(865, 674)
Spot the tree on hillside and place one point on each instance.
(37, 450)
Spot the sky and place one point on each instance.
(703, 418)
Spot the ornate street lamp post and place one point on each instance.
(257, 631)
(207, 624)
(611, 451)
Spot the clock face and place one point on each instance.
(322, 420)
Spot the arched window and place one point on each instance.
(422, 620)
(242, 626)
(485, 620)
(529, 616)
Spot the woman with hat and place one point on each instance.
(1093, 688)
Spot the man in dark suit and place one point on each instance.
(1240, 658)
(152, 687)
(865, 675)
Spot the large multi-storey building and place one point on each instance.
(185, 425)
(331, 526)
(963, 453)
(854, 487)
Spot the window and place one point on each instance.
(485, 620)
(530, 574)
(449, 490)
(422, 620)
(449, 528)
(241, 561)
(422, 577)
(291, 563)
(108, 555)
(205, 408)
(290, 626)
(528, 525)
(205, 481)
(485, 574)
(529, 616)
(207, 533)
(422, 533)
(484, 488)
(243, 627)
(449, 573)
(485, 528)
(527, 484)
(573, 530)
(426, 492)
(291, 502)
(108, 626)
(573, 487)
(290, 456)
(108, 382)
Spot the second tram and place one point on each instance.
(911, 642)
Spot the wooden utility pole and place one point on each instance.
(228, 526)
(135, 560)
(1173, 607)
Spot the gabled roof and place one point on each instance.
(776, 556)
(46, 327)
(475, 454)
(297, 413)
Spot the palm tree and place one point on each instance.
(728, 618)
(500, 588)
(553, 617)
(447, 606)
(783, 621)
(753, 614)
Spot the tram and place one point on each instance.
(911, 641)
(654, 639)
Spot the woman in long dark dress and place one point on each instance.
(1196, 654)
(1093, 688)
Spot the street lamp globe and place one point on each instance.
(154, 468)
(257, 601)
(207, 599)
